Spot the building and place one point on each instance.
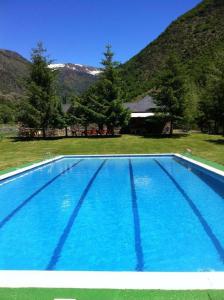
(142, 108)
(143, 120)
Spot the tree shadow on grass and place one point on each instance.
(163, 136)
(217, 142)
(19, 139)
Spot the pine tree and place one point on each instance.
(109, 93)
(102, 103)
(74, 116)
(86, 109)
(41, 108)
(92, 108)
(170, 95)
(212, 104)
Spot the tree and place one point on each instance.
(212, 103)
(41, 108)
(86, 109)
(102, 103)
(109, 93)
(76, 114)
(191, 104)
(171, 91)
(8, 108)
(7, 114)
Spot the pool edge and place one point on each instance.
(200, 164)
(112, 280)
(30, 167)
(45, 162)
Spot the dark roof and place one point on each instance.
(143, 105)
(65, 107)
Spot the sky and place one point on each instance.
(77, 31)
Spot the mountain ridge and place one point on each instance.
(195, 37)
(77, 67)
(14, 69)
(12, 74)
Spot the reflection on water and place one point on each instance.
(142, 181)
(66, 202)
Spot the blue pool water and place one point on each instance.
(113, 214)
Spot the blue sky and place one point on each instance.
(77, 30)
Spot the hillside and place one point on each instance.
(75, 77)
(14, 69)
(197, 38)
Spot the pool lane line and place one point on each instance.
(27, 200)
(138, 242)
(197, 212)
(61, 242)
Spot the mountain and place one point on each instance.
(75, 77)
(14, 69)
(197, 38)
(76, 67)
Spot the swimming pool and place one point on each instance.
(136, 213)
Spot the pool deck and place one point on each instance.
(113, 280)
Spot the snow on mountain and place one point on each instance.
(77, 67)
(96, 72)
(56, 66)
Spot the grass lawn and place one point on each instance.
(51, 294)
(16, 153)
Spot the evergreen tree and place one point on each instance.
(86, 109)
(109, 93)
(92, 108)
(41, 108)
(191, 105)
(73, 115)
(8, 109)
(171, 92)
(7, 114)
(102, 103)
(212, 103)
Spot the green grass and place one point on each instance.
(84, 294)
(16, 153)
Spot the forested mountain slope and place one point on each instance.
(14, 70)
(196, 38)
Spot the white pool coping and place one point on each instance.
(32, 166)
(44, 162)
(207, 167)
(112, 280)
